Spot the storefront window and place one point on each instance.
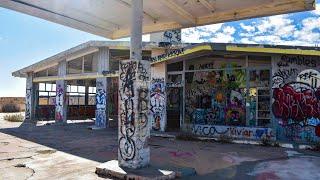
(76, 95)
(178, 66)
(259, 97)
(174, 80)
(228, 90)
(216, 97)
(47, 94)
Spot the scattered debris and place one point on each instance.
(48, 151)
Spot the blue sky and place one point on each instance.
(25, 39)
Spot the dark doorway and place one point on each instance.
(174, 108)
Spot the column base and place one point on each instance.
(94, 127)
(112, 169)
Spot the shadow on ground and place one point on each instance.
(211, 160)
(75, 139)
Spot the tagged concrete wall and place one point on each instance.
(158, 97)
(296, 97)
(234, 132)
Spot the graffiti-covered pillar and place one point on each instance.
(101, 92)
(134, 128)
(30, 98)
(61, 90)
(158, 104)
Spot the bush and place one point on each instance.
(8, 108)
(268, 142)
(185, 136)
(225, 139)
(265, 142)
(14, 118)
(315, 146)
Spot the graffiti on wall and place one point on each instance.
(157, 103)
(296, 98)
(216, 97)
(28, 104)
(60, 103)
(172, 36)
(232, 131)
(113, 97)
(101, 102)
(133, 113)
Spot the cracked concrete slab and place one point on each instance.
(73, 152)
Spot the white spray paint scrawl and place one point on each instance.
(309, 76)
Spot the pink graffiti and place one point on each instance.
(294, 105)
(178, 154)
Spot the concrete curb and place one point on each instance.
(112, 169)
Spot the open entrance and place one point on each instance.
(174, 108)
(81, 99)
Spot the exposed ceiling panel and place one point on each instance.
(111, 18)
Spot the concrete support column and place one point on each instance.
(134, 127)
(101, 86)
(61, 90)
(30, 98)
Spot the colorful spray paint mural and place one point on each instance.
(296, 98)
(158, 103)
(101, 103)
(216, 97)
(60, 113)
(133, 112)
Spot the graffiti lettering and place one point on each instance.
(60, 102)
(286, 73)
(157, 102)
(171, 53)
(298, 60)
(173, 36)
(235, 132)
(291, 103)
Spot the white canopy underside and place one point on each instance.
(111, 18)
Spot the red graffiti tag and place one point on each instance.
(294, 105)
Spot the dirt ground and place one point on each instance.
(29, 151)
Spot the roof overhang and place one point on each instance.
(111, 19)
(210, 48)
(81, 50)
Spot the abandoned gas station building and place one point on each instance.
(243, 91)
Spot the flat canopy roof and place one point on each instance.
(81, 50)
(111, 18)
(209, 48)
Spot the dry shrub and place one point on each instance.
(8, 108)
(14, 118)
(186, 136)
(225, 139)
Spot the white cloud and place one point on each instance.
(247, 27)
(282, 29)
(195, 34)
(224, 36)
